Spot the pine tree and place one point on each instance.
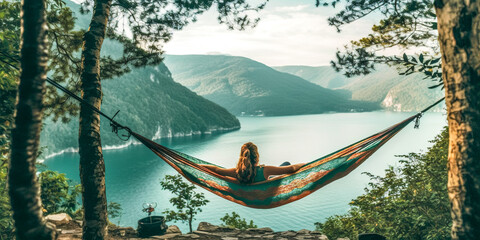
(23, 187)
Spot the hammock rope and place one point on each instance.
(272, 192)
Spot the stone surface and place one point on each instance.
(207, 227)
(260, 230)
(173, 229)
(288, 234)
(323, 237)
(206, 231)
(166, 236)
(58, 219)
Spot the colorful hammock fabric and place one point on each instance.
(282, 189)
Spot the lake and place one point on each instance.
(133, 173)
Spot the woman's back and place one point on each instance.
(259, 175)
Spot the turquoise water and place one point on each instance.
(133, 173)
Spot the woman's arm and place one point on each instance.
(273, 170)
(229, 172)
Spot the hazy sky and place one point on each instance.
(289, 33)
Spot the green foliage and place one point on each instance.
(8, 89)
(410, 202)
(6, 220)
(187, 202)
(403, 24)
(235, 221)
(57, 194)
(114, 210)
(244, 86)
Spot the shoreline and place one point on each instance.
(156, 136)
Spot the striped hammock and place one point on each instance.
(282, 189)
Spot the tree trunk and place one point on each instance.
(92, 166)
(23, 187)
(190, 220)
(459, 37)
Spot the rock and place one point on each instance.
(69, 231)
(322, 237)
(304, 231)
(58, 219)
(122, 232)
(304, 237)
(205, 233)
(166, 236)
(51, 226)
(173, 229)
(229, 238)
(288, 234)
(207, 227)
(343, 238)
(260, 230)
(191, 235)
(244, 235)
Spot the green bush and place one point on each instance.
(57, 194)
(235, 221)
(410, 202)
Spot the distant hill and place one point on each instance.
(151, 104)
(324, 76)
(384, 86)
(247, 87)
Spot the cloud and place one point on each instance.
(288, 34)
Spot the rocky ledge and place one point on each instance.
(68, 229)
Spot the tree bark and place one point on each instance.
(459, 37)
(24, 189)
(92, 165)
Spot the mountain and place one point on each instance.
(151, 104)
(384, 86)
(324, 76)
(246, 87)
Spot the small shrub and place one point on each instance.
(186, 200)
(57, 194)
(234, 221)
(114, 210)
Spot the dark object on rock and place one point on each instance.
(371, 236)
(153, 225)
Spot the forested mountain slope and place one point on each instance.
(384, 86)
(247, 87)
(150, 103)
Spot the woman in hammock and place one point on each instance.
(249, 171)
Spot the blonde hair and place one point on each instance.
(249, 156)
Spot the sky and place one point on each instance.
(289, 33)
